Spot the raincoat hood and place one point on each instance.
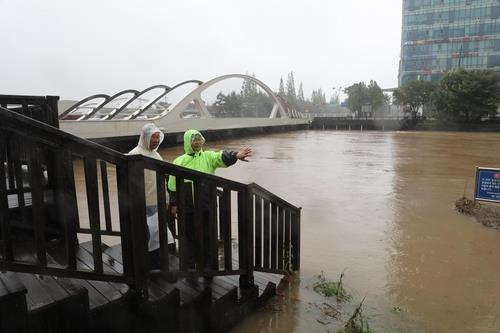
(188, 139)
(147, 131)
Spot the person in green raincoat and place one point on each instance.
(196, 158)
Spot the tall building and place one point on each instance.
(442, 35)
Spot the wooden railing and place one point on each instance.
(248, 228)
(41, 108)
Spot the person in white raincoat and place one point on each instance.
(149, 141)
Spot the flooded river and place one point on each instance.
(380, 207)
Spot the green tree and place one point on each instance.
(228, 105)
(357, 96)
(467, 96)
(300, 94)
(290, 88)
(413, 95)
(281, 91)
(248, 88)
(375, 95)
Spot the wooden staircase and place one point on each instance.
(43, 303)
(51, 283)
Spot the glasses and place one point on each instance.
(198, 139)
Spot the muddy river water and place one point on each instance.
(379, 206)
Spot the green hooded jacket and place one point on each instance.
(203, 161)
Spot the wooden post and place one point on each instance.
(163, 215)
(181, 223)
(225, 227)
(66, 202)
(137, 207)
(274, 235)
(52, 110)
(132, 206)
(258, 231)
(199, 227)
(37, 203)
(105, 195)
(90, 168)
(281, 244)
(296, 240)
(245, 236)
(213, 241)
(267, 234)
(4, 205)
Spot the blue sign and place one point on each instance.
(487, 184)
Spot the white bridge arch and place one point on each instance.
(170, 120)
(195, 96)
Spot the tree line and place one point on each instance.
(251, 101)
(462, 96)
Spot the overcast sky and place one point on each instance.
(78, 48)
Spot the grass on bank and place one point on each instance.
(357, 323)
(329, 288)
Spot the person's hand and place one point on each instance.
(243, 154)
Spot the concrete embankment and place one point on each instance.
(355, 124)
(125, 143)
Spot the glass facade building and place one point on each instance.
(442, 35)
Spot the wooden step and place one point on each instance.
(13, 307)
(49, 306)
(106, 299)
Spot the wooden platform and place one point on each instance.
(35, 303)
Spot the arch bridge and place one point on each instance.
(104, 116)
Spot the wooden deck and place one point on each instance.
(51, 283)
(41, 303)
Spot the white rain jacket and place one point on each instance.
(143, 149)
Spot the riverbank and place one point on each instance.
(402, 125)
(434, 125)
(486, 215)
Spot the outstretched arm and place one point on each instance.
(243, 154)
(230, 157)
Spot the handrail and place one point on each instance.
(257, 189)
(60, 153)
(48, 104)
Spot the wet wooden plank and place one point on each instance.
(111, 291)
(37, 295)
(13, 307)
(10, 284)
(96, 299)
(109, 260)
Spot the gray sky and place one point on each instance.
(78, 48)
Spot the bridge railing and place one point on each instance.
(43, 190)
